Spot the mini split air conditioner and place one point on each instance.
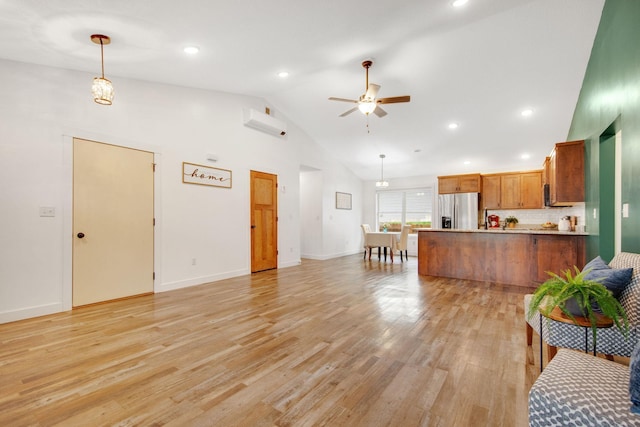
(264, 122)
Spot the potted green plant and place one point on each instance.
(511, 221)
(577, 296)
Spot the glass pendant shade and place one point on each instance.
(382, 183)
(366, 107)
(102, 91)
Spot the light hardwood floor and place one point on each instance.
(343, 342)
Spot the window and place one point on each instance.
(412, 207)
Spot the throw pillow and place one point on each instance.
(616, 280)
(634, 379)
(596, 264)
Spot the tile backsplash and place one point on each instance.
(540, 216)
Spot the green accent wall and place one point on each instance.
(609, 101)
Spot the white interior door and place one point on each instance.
(112, 222)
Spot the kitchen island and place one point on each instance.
(518, 257)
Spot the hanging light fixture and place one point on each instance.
(102, 89)
(382, 182)
(366, 107)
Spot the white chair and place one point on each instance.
(402, 244)
(365, 229)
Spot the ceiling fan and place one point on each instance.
(368, 103)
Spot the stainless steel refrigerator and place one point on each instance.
(458, 211)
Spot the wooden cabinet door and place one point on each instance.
(469, 184)
(491, 192)
(447, 184)
(556, 254)
(531, 190)
(568, 173)
(510, 191)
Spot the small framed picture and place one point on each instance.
(343, 200)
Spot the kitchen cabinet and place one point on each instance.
(469, 183)
(504, 257)
(566, 174)
(490, 196)
(556, 253)
(521, 190)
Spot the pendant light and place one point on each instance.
(102, 89)
(382, 182)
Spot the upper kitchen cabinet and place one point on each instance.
(566, 174)
(517, 190)
(521, 190)
(469, 183)
(490, 196)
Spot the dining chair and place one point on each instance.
(402, 244)
(365, 229)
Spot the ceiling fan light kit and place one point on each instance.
(368, 103)
(102, 89)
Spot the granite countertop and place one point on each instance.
(509, 231)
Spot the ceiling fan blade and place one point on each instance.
(348, 112)
(342, 99)
(372, 91)
(379, 112)
(394, 99)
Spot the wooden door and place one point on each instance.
(112, 222)
(264, 221)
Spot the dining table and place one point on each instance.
(382, 239)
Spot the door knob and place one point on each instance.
(80, 235)
(253, 226)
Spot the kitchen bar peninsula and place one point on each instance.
(518, 257)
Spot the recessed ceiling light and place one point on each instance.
(527, 112)
(525, 156)
(191, 50)
(467, 162)
(283, 74)
(459, 3)
(453, 125)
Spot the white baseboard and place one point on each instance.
(164, 287)
(29, 312)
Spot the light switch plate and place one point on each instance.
(625, 210)
(47, 211)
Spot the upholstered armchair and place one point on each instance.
(610, 341)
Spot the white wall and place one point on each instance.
(311, 213)
(43, 108)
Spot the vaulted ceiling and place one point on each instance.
(477, 66)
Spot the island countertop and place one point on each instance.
(520, 257)
(508, 230)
